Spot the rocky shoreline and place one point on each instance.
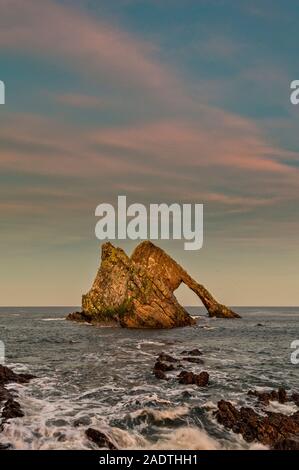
(256, 423)
(275, 430)
(10, 408)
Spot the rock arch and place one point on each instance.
(138, 292)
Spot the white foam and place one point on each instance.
(186, 437)
(284, 408)
(53, 319)
(160, 415)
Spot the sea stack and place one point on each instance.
(138, 292)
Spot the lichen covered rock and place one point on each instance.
(138, 292)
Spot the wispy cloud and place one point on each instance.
(91, 47)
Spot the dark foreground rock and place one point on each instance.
(275, 430)
(287, 444)
(192, 352)
(167, 357)
(7, 375)
(138, 292)
(167, 363)
(280, 395)
(164, 363)
(189, 378)
(164, 367)
(160, 374)
(10, 407)
(100, 439)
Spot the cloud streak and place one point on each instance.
(91, 47)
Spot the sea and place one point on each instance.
(102, 377)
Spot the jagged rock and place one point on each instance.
(160, 374)
(7, 375)
(6, 446)
(192, 352)
(295, 398)
(4, 394)
(137, 292)
(100, 439)
(166, 357)
(272, 429)
(287, 444)
(265, 397)
(202, 379)
(189, 378)
(12, 409)
(163, 366)
(186, 378)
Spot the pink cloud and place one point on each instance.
(218, 147)
(43, 27)
(216, 139)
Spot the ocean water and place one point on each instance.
(102, 377)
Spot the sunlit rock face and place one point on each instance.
(138, 292)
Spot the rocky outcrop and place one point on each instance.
(100, 439)
(10, 407)
(138, 292)
(189, 378)
(275, 430)
(167, 363)
(265, 397)
(7, 376)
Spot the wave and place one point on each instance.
(162, 415)
(284, 408)
(53, 319)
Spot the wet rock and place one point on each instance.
(186, 378)
(12, 409)
(7, 375)
(265, 397)
(195, 360)
(282, 395)
(4, 394)
(100, 439)
(202, 379)
(166, 357)
(192, 352)
(6, 446)
(186, 395)
(287, 444)
(189, 378)
(159, 374)
(138, 292)
(295, 398)
(163, 366)
(268, 429)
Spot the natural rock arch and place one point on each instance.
(138, 292)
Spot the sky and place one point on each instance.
(161, 101)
